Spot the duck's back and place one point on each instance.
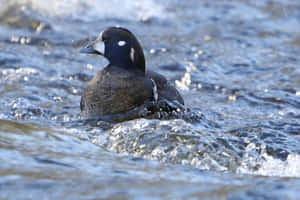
(115, 90)
(164, 89)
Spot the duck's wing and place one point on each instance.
(164, 89)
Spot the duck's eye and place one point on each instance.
(121, 43)
(104, 38)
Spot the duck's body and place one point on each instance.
(115, 90)
(164, 89)
(124, 84)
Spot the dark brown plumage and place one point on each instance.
(122, 85)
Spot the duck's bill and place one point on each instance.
(88, 49)
(97, 47)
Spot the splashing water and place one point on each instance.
(92, 10)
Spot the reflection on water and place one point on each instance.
(235, 63)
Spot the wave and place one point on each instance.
(90, 10)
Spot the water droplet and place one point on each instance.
(89, 66)
(152, 51)
(232, 98)
(14, 39)
(207, 37)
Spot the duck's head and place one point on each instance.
(120, 47)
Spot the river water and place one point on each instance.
(236, 63)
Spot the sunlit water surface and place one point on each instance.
(236, 63)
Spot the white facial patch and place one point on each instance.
(121, 43)
(100, 47)
(100, 36)
(132, 52)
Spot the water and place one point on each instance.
(236, 64)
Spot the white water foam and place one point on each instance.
(89, 10)
(270, 166)
(275, 167)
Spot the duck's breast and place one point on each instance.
(111, 92)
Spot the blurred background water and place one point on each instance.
(236, 64)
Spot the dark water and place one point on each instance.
(236, 64)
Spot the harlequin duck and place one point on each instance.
(123, 84)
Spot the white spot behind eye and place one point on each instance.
(132, 54)
(121, 43)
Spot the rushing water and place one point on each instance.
(236, 63)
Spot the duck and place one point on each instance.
(124, 84)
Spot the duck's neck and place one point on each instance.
(127, 64)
